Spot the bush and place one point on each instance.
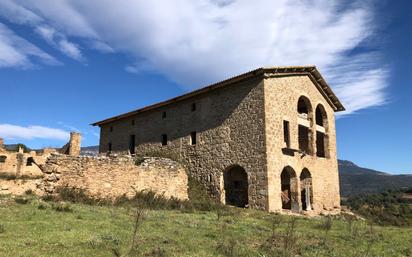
(62, 207)
(2, 228)
(21, 200)
(76, 195)
(29, 192)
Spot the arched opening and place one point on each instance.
(3, 158)
(321, 132)
(320, 115)
(236, 186)
(289, 187)
(304, 126)
(304, 107)
(306, 191)
(30, 161)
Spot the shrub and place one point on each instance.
(62, 207)
(2, 228)
(76, 195)
(21, 200)
(29, 192)
(139, 160)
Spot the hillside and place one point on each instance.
(355, 180)
(32, 227)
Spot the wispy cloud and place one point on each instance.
(18, 52)
(13, 132)
(198, 42)
(59, 41)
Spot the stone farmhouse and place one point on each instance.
(264, 139)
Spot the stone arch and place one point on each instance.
(289, 189)
(306, 190)
(305, 118)
(236, 186)
(304, 107)
(322, 138)
(320, 116)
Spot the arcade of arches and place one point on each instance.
(289, 188)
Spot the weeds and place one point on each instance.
(2, 228)
(29, 192)
(290, 238)
(21, 200)
(62, 207)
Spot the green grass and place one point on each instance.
(38, 228)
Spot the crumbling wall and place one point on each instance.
(73, 147)
(114, 176)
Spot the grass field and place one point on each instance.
(37, 228)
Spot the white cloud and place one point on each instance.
(59, 41)
(199, 42)
(18, 52)
(13, 132)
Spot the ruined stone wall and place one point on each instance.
(281, 100)
(19, 164)
(114, 176)
(229, 123)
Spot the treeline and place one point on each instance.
(392, 207)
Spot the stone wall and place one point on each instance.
(114, 176)
(229, 132)
(281, 99)
(240, 126)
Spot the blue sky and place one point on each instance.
(65, 64)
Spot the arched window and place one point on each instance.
(320, 115)
(304, 109)
(306, 191)
(322, 147)
(289, 189)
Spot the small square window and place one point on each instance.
(193, 107)
(164, 115)
(111, 129)
(164, 139)
(132, 122)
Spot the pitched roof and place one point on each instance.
(310, 71)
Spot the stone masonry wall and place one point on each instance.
(229, 125)
(114, 176)
(281, 99)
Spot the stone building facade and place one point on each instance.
(264, 139)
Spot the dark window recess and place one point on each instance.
(193, 107)
(3, 158)
(286, 133)
(304, 139)
(164, 115)
(320, 144)
(132, 144)
(132, 122)
(164, 139)
(111, 129)
(30, 161)
(110, 147)
(320, 114)
(193, 138)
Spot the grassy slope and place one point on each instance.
(26, 230)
